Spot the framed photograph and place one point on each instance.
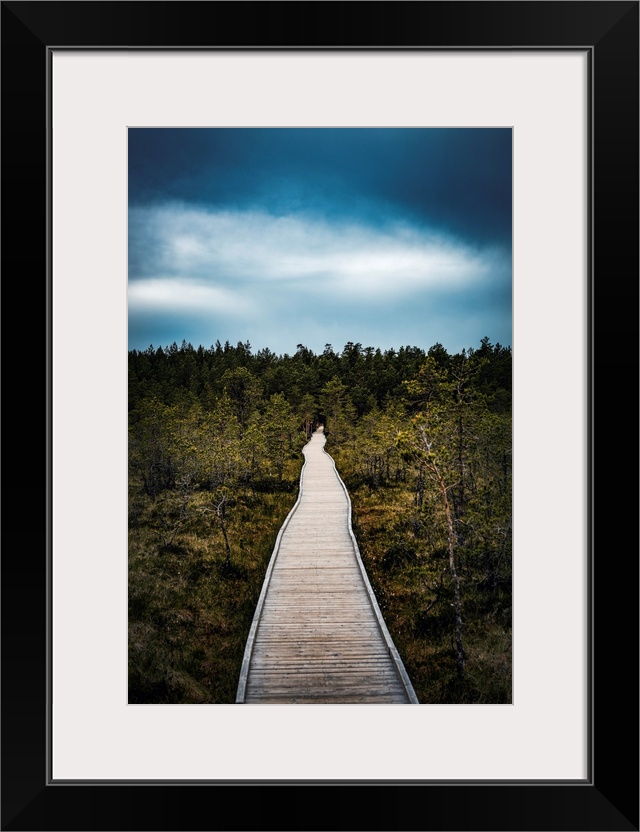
(561, 79)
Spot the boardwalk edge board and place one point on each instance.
(393, 652)
(248, 650)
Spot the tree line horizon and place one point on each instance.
(370, 372)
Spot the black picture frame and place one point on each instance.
(608, 799)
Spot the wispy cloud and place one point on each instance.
(181, 294)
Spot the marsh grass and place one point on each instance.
(407, 567)
(190, 606)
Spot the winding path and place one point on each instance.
(318, 635)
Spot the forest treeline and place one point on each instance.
(422, 440)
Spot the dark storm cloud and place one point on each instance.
(456, 180)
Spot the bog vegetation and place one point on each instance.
(422, 440)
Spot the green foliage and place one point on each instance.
(244, 391)
(279, 429)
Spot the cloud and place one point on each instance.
(192, 257)
(179, 295)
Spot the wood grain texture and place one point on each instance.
(318, 635)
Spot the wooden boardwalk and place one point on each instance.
(318, 635)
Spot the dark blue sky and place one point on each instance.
(386, 237)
